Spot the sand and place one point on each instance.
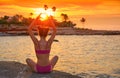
(12, 69)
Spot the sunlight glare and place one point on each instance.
(49, 12)
(43, 16)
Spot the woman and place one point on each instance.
(42, 47)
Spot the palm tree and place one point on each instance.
(83, 21)
(5, 17)
(66, 22)
(65, 17)
(54, 9)
(20, 18)
(16, 19)
(45, 7)
(31, 14)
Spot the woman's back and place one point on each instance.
(42, 52)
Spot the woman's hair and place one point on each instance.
(43, 32)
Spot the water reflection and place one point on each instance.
(77, 53)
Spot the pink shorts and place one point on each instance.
(43, 69)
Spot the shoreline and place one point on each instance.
(13, 69)
(60, 31)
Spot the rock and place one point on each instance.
(56, 40)
(12, 69)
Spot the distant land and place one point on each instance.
(22, 30)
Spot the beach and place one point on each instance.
(22, 30)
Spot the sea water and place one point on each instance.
(96, 53)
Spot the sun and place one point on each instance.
(44, 13)
(43, 16)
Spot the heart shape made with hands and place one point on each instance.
(44, 21)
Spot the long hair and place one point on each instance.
(43, 32)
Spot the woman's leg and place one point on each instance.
(54, 61)
(32, 64)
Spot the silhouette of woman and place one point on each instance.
(42, 46)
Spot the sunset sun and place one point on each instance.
(44, 13)
(43, 16)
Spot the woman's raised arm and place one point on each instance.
(32, 25)
(50, 40)
(33, 22)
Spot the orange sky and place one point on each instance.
(72, 7)
(107, 8)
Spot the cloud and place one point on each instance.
(71, 7)
(58, 3)
(12, 10)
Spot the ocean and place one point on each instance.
(77, 54)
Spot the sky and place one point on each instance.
(99, 14)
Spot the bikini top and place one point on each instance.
(42, 51)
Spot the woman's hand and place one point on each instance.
(47, 23)
(33, 24)
(38, 17)
(52, 23)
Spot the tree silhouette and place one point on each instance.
(83, 21)
(66, 22)
(65, 17)
(5, 17)
(54, 9)
(31, 14)
(16, 19)
(45, 7)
